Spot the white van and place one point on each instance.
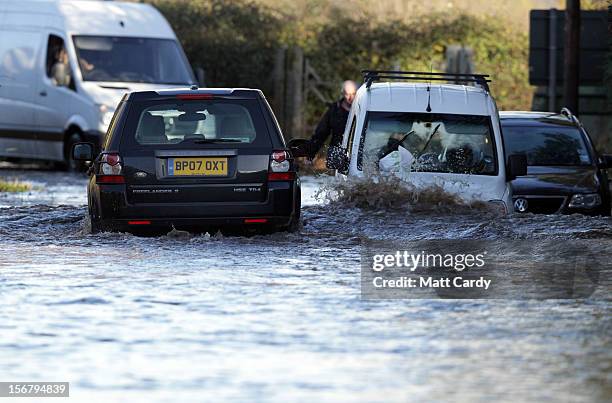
(429, 134)
(65, 64)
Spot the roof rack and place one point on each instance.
(369, 76)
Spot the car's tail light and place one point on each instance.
(139, 222)
(281, 176)
(187, 97)
(255, 220)
(279, 161)
(111, 169)
(280, 165)
(110, 179)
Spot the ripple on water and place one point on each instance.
(235, 318)
(82, 301)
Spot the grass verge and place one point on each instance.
(14, 186)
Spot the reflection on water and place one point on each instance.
(279, 317)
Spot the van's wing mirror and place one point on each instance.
(338, 159)
(83, 152)
(298, 147)
(517, 166)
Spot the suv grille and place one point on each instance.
(542, 205)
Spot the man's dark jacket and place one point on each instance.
(333, 122)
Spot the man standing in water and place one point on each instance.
(333, 122)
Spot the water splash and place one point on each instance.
(391, 193)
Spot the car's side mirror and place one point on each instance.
(517, 166)
(83, 152)
(298, 147)
(337, 159)
(607, 161)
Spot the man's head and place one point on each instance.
(349, 88)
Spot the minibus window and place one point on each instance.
(127, 59)
(58, 67)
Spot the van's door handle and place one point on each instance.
(43, 93)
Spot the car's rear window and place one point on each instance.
(196, 123)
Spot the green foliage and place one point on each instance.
(498, 50)
(13, 186)
(235, 42)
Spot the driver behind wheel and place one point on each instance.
(460, 159)
(393, 142)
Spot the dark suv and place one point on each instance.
(192, 159)
(565, 173)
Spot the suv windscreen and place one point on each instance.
(547, 145)
(125, 59)
(428, 143)
(197, 123)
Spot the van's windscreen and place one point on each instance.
(428, 143)
(138, 60)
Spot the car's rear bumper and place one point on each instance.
(114, 211)
(194, 223)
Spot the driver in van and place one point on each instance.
(60, 71)
(86, 67)
(460, 159)
(393, 142)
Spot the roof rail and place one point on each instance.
(369, 76)
(568, 114)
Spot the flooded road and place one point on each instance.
(187, 317)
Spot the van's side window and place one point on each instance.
(58, 67)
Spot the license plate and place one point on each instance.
(197, 167)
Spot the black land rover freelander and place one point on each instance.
(192, 159)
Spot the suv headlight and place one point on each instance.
(106, 114)
(588, 200)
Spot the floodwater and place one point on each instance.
(280, 317)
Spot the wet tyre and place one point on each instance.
(69, 164)
(294, 224)
(96, 225)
